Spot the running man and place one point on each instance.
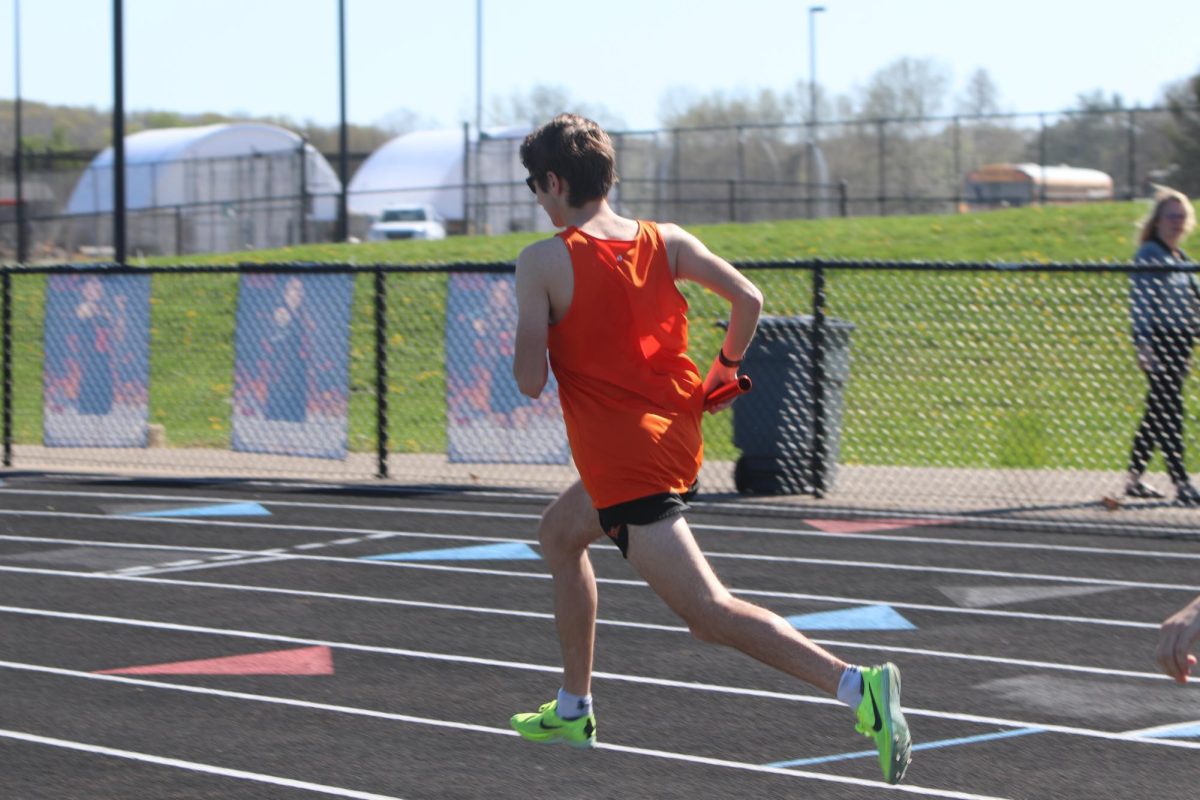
(600, 299)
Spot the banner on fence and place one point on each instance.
(291, 370)
(96, 368)
(488, 419)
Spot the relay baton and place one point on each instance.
(728, 391)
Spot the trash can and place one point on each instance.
(773, 425)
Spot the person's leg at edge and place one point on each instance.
(666, 555)
(567, 527)
(1171, 428)
(1146, 437)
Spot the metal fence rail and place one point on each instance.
(892, 388)
(732, 173)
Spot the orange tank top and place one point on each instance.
(631, 397)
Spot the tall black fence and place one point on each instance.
(728, 173)
(940, 390)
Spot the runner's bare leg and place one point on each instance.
(568, 526)
(666, 555)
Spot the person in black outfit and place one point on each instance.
(1165, 311)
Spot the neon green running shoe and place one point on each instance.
(880, 718)
(547, 726)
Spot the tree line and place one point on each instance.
(1101, 131)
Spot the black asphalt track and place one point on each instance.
(1027, 655)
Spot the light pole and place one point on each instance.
(812, 64)
(6, 386)
(118, 132)
(479, 65)
(812, 99)
(343, 214)
(18, 172)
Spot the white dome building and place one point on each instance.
(427, 167)
(212, 188)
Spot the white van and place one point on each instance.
(410, 221)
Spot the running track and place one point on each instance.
(358, 642)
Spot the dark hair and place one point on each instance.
(575, 149)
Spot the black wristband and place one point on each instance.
(726, 361)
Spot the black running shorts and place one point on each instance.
(615, 520)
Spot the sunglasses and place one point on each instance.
(531, 182)
(1174, 216)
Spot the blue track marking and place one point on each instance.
(1186, 730)
(861, 618)
(983, 737)
(504, 551)
(220, 510)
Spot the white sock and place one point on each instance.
(850, 688)
(572, 706)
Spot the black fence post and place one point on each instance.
(739, 154)
(1132, 154)
(676, 170)
(844, 198)
(468, 228)
(6, 365)
(733, 215)
(1042, 158)
(118, 135)
(956, 175)
(882, 170)
(303, 191)
(381, 374)
(817, 454)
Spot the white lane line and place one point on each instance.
(462, 726)
(888, 648)
(977, 612)
(216, 523)
(799, 512)
(458, 608)
(209, 565)
(232, 560)
(749, 509)
(193, 766)
(915, 568)
(979, 573)
(556, 669)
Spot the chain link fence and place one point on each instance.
(736, 173)
(893, 389)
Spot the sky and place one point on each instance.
(280, 57)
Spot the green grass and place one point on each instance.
(958, 369)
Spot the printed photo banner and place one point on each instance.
(97, 361)
(488, 420)
(292, 366)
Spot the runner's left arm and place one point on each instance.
(533, 324)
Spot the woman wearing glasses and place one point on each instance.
(1165, 311)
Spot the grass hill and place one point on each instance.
(1101, 231)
